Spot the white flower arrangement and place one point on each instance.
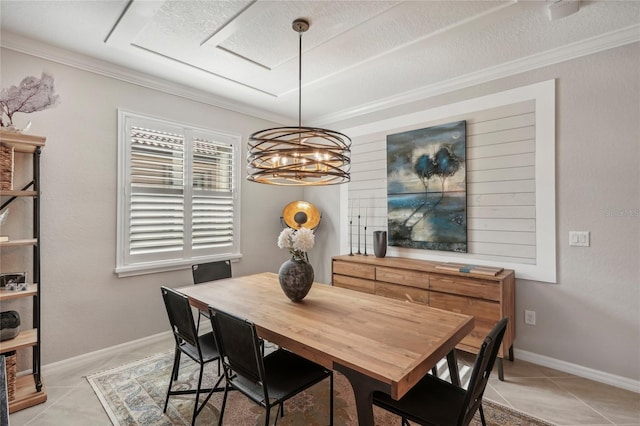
(298, 242)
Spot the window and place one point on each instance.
(178, 199)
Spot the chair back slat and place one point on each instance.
(211, 271)
(239, 346)
(180, 316)
(482, 370)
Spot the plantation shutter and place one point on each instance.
(157, 192)
(213, 201)
(178, 197)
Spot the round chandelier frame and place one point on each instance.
(299, 156)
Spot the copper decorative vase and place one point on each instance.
(296, 277)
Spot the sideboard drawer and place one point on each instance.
(481, 309)
(485, 313)
(402, 292)
(473, 288)
(358, 284)
(402, 276)
(354, 269)
(477, 335)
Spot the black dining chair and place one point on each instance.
(210, 271)
(266, 380)
(435, 402)
(201, 349)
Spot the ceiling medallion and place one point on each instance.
(299, 156)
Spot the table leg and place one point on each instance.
(363, 388)
(452, 361)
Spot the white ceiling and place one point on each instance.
(358, 56)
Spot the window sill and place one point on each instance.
(166, 266)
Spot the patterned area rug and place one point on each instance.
(134, 394)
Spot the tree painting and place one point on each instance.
(426, 188)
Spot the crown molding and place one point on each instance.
(571, 51)
(42, 50)
(565, 53)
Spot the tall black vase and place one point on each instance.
(380, 243)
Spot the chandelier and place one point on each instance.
(299, 156)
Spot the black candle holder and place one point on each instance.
(359, 252)
(365, 240)
(350, 237)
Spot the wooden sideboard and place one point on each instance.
(488, 298)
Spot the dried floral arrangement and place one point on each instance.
(31, 95)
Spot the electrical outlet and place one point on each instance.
(530, 317)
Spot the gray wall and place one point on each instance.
(591, 317)
(86, 307)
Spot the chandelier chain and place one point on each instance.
(299, 156)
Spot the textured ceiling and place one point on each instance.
(356, 55)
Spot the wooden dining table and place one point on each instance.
(379, 344)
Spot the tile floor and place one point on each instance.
(555, 396)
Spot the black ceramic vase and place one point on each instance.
(296, 277)
(380, 243)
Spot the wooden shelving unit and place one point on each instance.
(26, 339)
(29, 388)
(15, 243)
(32, 290)
(14, 193)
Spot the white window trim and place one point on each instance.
(544, 96)
(123, 269)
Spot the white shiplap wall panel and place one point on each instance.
(506, 237)
(502, 212)
(512, 109)
(365, 159)
(510, 135)
(502, 149)
(510, 178)
(504, 162)
(372, 144)
(510, 186)
(512, 250)
(500, 123)
(373, 165)
(521, 199)
(500, 161)
(487, 224)
(514, 173)
(358, 189)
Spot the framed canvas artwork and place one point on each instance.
(426, 188)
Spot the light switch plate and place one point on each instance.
(579, 238)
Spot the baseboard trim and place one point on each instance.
(579, 370)
(131, 345)
(545, 361)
